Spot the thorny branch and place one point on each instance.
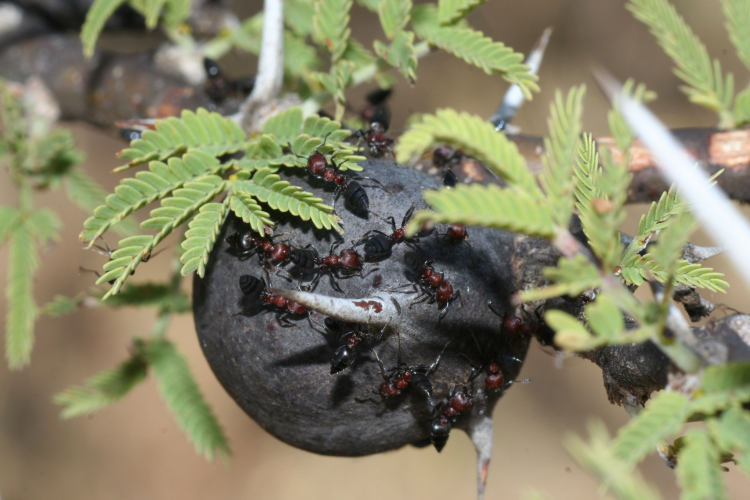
(112, 87)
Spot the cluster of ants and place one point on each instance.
(374, 246)
(402, 377)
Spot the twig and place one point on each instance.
(270, 74)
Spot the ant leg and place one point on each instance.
(407, 216)
(288, 276)
(284, 322)
(359, 178)
(82, 269)
(492, 308)
(380, 363)
(419, 300)
(334, 284)
(434, 365)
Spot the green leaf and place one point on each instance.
(604, 317)
(151, 295)
(621, 131)
(177, 209)
(61, 305)
(450, 11)
(742, 107)
(672, 241)
(663, 416)
(97, 16)
(602, 216)
(488, 206)
(45, 225)
(103, 389)
(732, 430)
(284, 197)
(177, 12)
(285, 126)
(475, 48)
(713, 402)
(153, 9)
(157, 183)
(638, 268)
(572, 276)
(705, 85)
(9, 219)
(737, 13)
(616, 475)
(331, 23)
(699, 473)
(586, 171)
(727, 376)
(474, 136)
(656, 219)
(185, 401)
(299, 57)
(88, 194)
(561, 147)
(23, 263)
(298, 15)
(357, 54)
(394, 16)
(246, 208)
(400, 54)
(209, 132)
(201, 237)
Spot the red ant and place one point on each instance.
(354, 194)
(348, 261)
(459, 401)
(434, 286)
(380, 245)
(511, 324)
(276, 253)
(402, 376)
(256, 287)
(350, 337)
(379, 118)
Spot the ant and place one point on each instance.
(218, 86)
(449, 179)
(276, 253)
(459, 401)
(348, 261)
(511, 324)
(256, 287)
(380, 245)
(350, 337)
(377, 97)
(379, 118)
(495, 380)
(434, 286)
(402, 376)
(110, 253)
(354, 194)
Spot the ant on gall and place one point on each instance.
(380, 245)
(350, 337)
(256, 288)
(433, 285)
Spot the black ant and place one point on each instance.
(218, 86)
(256, 288)
(350, 337)
(402, 376)
(380, 245)
(354, 194)
(449, 179)
(433, 285)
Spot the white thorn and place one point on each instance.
(721, 220)
(514, 98)
(480, 432)
(376, 311)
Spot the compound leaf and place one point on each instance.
(699, 472)
(394, 16)
(185, 401)
(331, 23)
(201, 237)
(246, 208)
(97, 16)
(103, 389)
(451, 11)
(23, 263)
(88, 194)
(211, 133)
(489, 206)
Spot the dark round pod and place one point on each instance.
(281, 376)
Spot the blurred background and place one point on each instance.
(135, 449)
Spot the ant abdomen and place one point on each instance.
(302, 257)
(356, 196)
(378, 247)
(440, 430)
(342, 358)
(250, 285)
